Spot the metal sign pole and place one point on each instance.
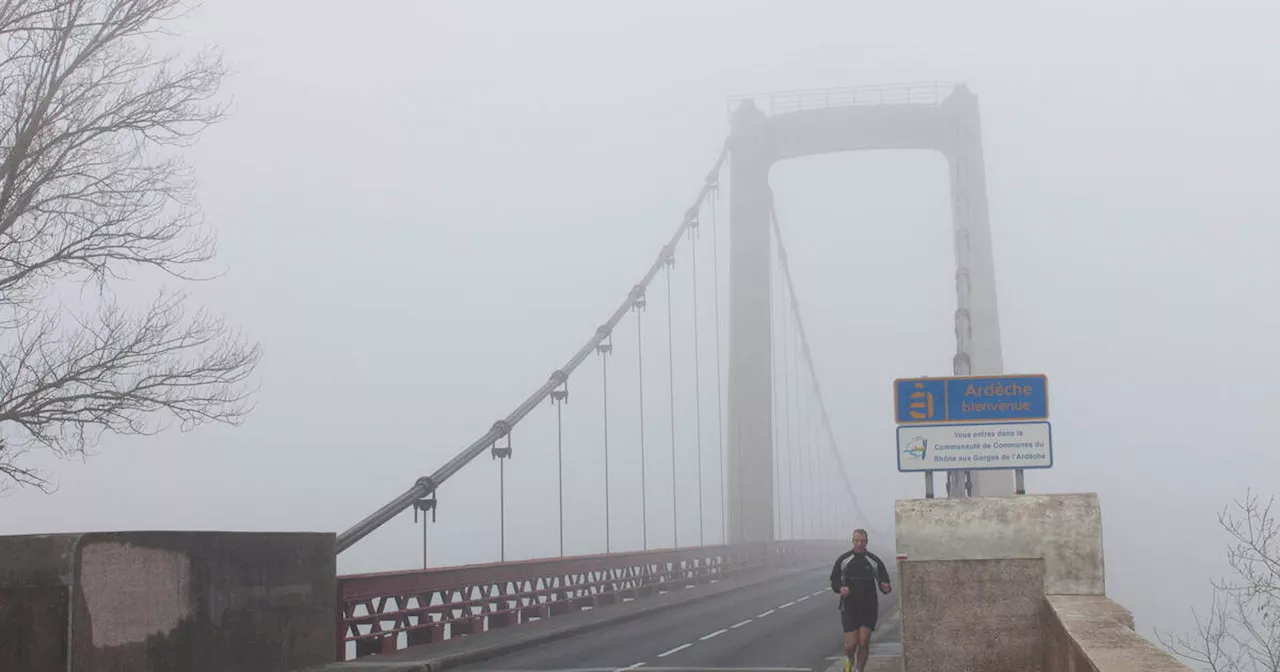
(1021, 482)
(928, 485)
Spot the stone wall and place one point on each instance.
(996, 584)
(161, 601)
(1094, 634)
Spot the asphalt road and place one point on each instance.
(788, 624)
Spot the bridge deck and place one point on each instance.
(782, 620)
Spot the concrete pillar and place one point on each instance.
(750, 422)
(977, 317)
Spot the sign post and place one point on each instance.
(973, 423)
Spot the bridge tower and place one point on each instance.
(848, 120)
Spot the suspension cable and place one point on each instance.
(697, 375)
(786, 384)
(802, 448)
(773, 388)
(715, 273)
(638, 303)
(822, 407)
(671, 376)
(558, 398)
(604, 349)
(429, 484)
(501, 454)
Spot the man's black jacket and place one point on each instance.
(862, 579)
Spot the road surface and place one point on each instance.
(788, 624)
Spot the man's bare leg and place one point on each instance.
(864, 647)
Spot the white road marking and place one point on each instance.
(632, 667)
(721, 631)
(816, 593)
(804, 598)
(765, 613)
(739, 625)
(784, 606)
(678, 649)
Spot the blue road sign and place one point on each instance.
(971, 399)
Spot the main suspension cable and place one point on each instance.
(427, 485)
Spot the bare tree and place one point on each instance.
(92, 187)
(1242, 630)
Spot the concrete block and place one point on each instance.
(1094, 634)
(167, 601)
(1065, 530)
(972, 615)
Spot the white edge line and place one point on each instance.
(739, 625)
(765, 613)
(678, 649)
(705, 637)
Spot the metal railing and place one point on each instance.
(782, 102)
(389, 611)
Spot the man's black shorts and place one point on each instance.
(860, 614)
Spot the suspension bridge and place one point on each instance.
(706, 390)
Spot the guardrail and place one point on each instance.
(781, 102)
(389, 611)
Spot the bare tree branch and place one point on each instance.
(91, 186)
(1242, 633)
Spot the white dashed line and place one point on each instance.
(784, 606)
(739, 625)
(678, 649)
(765, 613)
(804, 598)
(632, 667)
(816, 593)
(721, 631)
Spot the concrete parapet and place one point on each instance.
(1063, 530)
(994, 584)
(166, 601)
(971, 614)
(1094, 634)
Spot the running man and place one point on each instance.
(855, 577)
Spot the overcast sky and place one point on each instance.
(424, 208)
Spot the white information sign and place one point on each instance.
(1014, 445)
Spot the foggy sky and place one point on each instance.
(425, 208)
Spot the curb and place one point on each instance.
(451, 660)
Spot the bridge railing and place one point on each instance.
(911, 93)
(389, 611)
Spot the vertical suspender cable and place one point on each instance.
(638, 303)
(604, 348)
(671, 376)
(697, 375)
(502, 510)
(715, 272)
(796, 450)
(786, 384)
(801, 448)
(558, 398)
(773, 388)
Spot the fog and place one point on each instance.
(424, 209)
